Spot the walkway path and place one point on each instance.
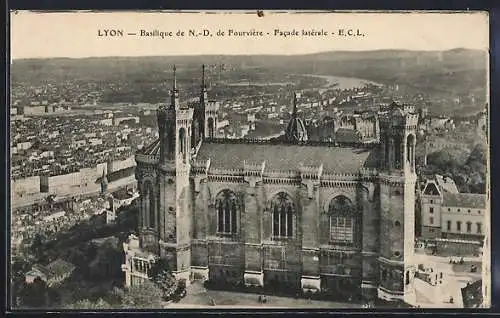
(199, 297)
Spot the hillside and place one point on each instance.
(439, 74)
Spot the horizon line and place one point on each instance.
(237, 54)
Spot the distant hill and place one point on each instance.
(437, 73)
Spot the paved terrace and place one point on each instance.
(199, 297)
(88, 191)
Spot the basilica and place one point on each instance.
(284, 213)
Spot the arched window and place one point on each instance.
(211, 128)
(195, 133)
(182, 142)
(398, 152)
(342, 218)
(150, 203)
(469, 226)
(410, 151)
(170, 149)
(227, 208)
(387, 150)
(283, 210)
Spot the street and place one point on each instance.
(453, 281)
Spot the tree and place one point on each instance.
(143, 296)
(469, 174)
(37, 245)
(19, 268)
(167, 283)
(35, 295)
(162, 277)
(89, 304)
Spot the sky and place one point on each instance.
(75, 34)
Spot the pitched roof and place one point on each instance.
(447, 184)
(41, 269)
(286, 157)
(464, 200)
(431, 189)
(296, 130)
(151, 149)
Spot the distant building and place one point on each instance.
(52, 274)
(446, 213)
(348, 128)
(54, 216)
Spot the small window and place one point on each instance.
(432, 201)
(431, 210)
(469, 227)
(448, 225)
(459, 226)
(397, 254)
(478, 211)
(397, 223)
(479, 228)
(431, 220)
(458, 210)
(468, 211)
(449, 209)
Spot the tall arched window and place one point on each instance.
(398, 152)
(182, 142)
(342, 220)
(211, 128)
(410, 151)
(150, 203)
(479, 228)
(227, 208)
(283, 210)
(195, 133)
(170, 149)
(387, 150)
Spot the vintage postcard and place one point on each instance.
(249, 160)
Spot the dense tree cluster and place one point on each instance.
(469, 176)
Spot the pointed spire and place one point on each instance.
(174, 94)
(203, 93)
(294, 110)
(174, 88)
(203, 76)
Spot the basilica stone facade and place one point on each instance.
(286, 213)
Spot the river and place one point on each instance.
(343, 82)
